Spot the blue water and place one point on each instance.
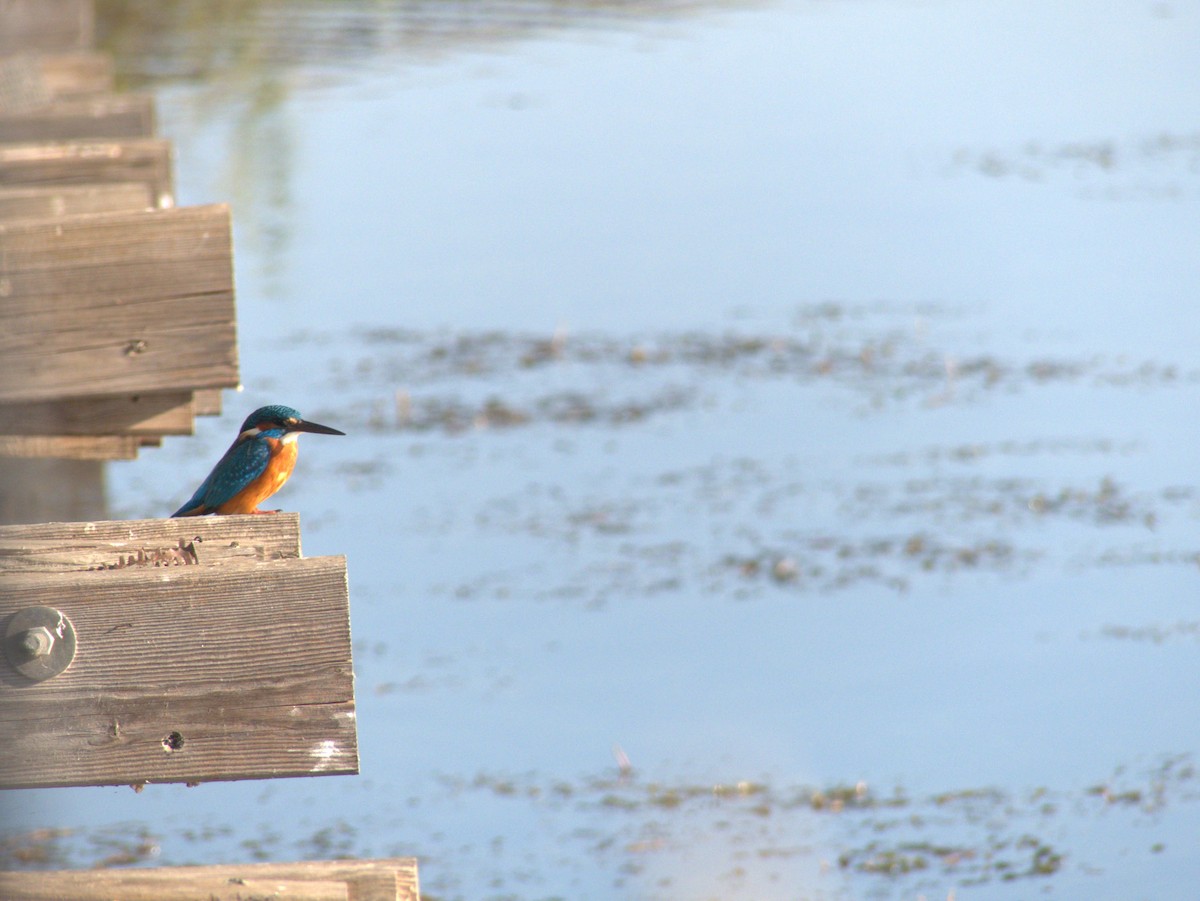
(849, 352)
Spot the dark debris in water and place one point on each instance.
(744, 526)
(736, 833)
(120, 845)
(826, 562)
(454, 415)
(965, 837)
(397, 379)
(37, 849)
(738, 527)
(1011, 500)
(1158, 166)
(1155, 633)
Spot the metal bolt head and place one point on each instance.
(39, 642)
(36, 642)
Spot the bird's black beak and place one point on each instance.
(305, 426)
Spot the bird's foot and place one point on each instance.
(263, 512)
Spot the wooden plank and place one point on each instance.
(117, 303)
(136, 414)
(207, 402)
(35, 82)
(144, 160)
(69, 447)
(48, 26)
(395, 879)
(207, 541)
(67, 75)
(100, 117)
(156, 885)
(55, 202)
(186, 674)
(376, 887)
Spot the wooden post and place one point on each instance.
(207, 649)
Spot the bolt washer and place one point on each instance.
(44, 666)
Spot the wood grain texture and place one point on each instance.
(153, 885)
(137, 414)
(84, 546)
(70, 447)
(144, 160)
(82, 118)
(54, 202)
(67, 75)
(207, 402)
(389, 879)
(186, 674)
(29, 26)
(117, 303)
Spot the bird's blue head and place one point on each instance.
(276, 421)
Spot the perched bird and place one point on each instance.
(256, 464)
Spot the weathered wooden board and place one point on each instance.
(153, 885)
(69, 447)
(207, 402)
(30, 82)
(230, 666)
(136, 414)
(208, 541)
(117, 303)
(100, 117)
(67, 75)
(144, 160)
(55, 202)
(391, 879)
(48, 26)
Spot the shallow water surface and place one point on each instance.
(770, 467)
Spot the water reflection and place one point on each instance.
(701, 399)
(273, 39)
(242, 63)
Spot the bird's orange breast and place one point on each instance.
(279, 468)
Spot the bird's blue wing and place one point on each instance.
(242, 464)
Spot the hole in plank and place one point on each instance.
(172, 742)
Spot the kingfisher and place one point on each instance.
(256, 465)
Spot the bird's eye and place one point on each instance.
(292, 420)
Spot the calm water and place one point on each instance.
(799, 397)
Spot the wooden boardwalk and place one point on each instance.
(207, 649)
(117, 319)
(145, 651)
